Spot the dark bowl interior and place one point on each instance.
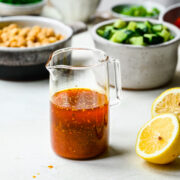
(23, 73)
(172, 15)
(118, 8)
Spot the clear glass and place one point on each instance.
(79, 99)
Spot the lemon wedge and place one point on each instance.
(158, 140)
(167, 102)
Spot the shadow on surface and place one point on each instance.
(112, 151)
(172, 167)
(176, 80)
(109, 153)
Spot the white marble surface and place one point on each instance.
(25, 143)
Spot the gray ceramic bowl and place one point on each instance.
(27, 9)
(29, 63)
(147, 4)
(142, 67)
(75, 10)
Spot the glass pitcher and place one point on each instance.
(79, 101)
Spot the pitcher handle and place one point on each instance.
(117, 82)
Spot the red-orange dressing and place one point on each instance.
(79, 123)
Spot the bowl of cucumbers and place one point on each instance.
(147, 50)
(141, 9)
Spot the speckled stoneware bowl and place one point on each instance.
(29, 63)
(142, 67)
(147, 4)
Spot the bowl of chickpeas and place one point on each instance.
(26, 42)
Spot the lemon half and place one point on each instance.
(158, 140)
(167, 102)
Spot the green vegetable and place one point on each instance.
(119, 36)
(171, 37)
(135, 33)
(19, 2)
(155, 11)
(119, 24)
(137, 40)
(152, 39)
(131, 26)
(107, 34)
(100, 32)
(157, 27)
(136, 11)
(141, 28)
(165, 34)
(149, 26)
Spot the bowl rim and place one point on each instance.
(172, 28)
(174, 6)
(36, 19)
(22, 6)
(143, 3)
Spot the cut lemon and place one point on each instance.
(167, 102)
(158, 140)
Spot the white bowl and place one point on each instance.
(76, 10)
(142, 67)
(27, 9)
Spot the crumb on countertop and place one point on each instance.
(50, 166)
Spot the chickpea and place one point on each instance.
(50, 32)
(13, 44)
(5, 29)
(30, 44)
(24, 31)
(21, 42)
(7, 44)
(47, 32)
(14, 31)
(2, 45)
(45, 42)
(59, 37)
(15, 36)
(31, 36)
(12, 26)
(41, 36)
(36, 29)
(52, 39)
(4, 37)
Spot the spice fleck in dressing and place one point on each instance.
(79, 123)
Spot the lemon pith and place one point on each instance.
(167, 102)
(158, 140)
